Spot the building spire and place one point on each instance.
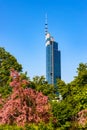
(46, 24)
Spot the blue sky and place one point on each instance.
(22, 33)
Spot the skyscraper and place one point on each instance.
(53, 59)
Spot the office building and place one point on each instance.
(53, 59)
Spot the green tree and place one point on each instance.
(74, 96)
(40, 84)
(81, 78)
(7, 61)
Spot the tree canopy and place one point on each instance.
(74, 100)
(33, 101)
(7, 61)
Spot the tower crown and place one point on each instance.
(47, 36)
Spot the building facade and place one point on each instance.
(53, 60)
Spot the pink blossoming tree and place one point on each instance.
(82, 118)
(24, 105)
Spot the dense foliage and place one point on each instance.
(74, 96)
(7, 61)
(40, 84)
(34, 105)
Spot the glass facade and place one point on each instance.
(53, 63)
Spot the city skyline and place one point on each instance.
(22, 33)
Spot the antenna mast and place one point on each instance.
(46, 24)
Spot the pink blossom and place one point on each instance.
(82, 117)
(24, 105)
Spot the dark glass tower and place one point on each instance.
(53, 60)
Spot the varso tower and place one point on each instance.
(53, 59)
